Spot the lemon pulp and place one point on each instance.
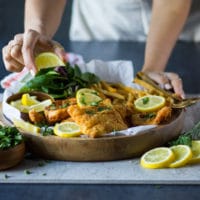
(48, 59)
(149, 103)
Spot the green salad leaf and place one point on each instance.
(61, 81)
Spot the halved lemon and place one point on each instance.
(41, 106)
(28, 100)
(87, 97)
(182, 154)
(67, 129)
(195, 152)
(159, 157)
(149, 103)
(26, 126)
(48, 59)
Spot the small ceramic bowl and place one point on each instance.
(12, 156)
(10, 112)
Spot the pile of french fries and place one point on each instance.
(118, 92)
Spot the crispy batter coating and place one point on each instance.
(97, 120)
(58, 110)
(156, 118)
(36, 117)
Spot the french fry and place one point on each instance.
(108, 87)
(111, 94)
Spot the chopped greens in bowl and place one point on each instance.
(9, 137)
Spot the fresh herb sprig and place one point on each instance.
(187, 137)
(46, 130)
(9, 137)
(61, 81)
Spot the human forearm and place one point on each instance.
(168, 18)
(43, 16)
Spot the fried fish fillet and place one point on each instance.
(97, 120)
(155, 118)
(36, 117)
(58, 110)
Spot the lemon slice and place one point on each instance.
(48, 59)
(157, 158)
(28, 100)
(18, 105)
(195, 152)
(67, 129)
(26, 126)
(87, 97)
(182, 154)
(149, 103)
(41, 106)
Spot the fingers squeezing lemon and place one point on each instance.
(48, 59)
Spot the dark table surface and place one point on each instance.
(185, 60)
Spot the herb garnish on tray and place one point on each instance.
(61, 81)
(187, 137)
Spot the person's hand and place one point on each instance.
(22, 50)
(168, 81)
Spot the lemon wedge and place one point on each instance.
(87, 97)
(182, 154)
(149, 103)
(195, 152)
(26, 126)
(28, 100)
(159, 157)
(67, 129)
(18, 105)
(48, 59)
(41, 106)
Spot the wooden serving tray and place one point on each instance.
(105, 148)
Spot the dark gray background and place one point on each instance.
(11, 23)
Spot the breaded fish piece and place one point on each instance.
(97, 120)
(36, 117)
(155, 118)
(57, 111)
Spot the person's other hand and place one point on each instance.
(22, 50)
(168, 81)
